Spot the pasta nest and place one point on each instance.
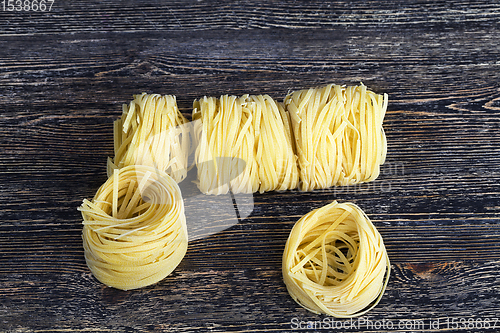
(134, 229)
(335, 261)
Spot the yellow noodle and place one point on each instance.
(335, 261)
(134, 229)
(338, 134)
(245, 145)
(152, 132)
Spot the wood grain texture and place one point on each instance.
(198, 15)
(65, 74)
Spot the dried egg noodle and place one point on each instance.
(338, 134)
(245, 145)
(335, 261)
(134, 229)
(152, 132)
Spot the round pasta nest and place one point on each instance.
(335, 261)
(134, 229)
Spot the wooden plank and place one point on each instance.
(126, 16)
(245, 299)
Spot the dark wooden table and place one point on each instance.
(64, 74)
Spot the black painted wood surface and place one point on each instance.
(65, 73)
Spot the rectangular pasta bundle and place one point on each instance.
(338, 134)
(245, 145)
(152, 132)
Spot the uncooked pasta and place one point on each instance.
(335, 261)
(152, 132)
(276, 159)
(245, 145)
(338, 134)
(134, 229)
